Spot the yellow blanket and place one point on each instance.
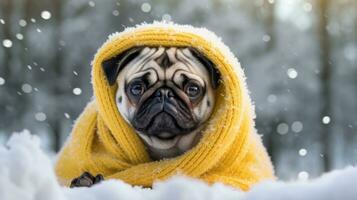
(230, 150)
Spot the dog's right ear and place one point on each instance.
(114, 65)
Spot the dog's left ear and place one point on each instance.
(114, 65)
(214, 73)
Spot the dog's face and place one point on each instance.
(166, 94)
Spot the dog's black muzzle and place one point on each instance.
(164, 112)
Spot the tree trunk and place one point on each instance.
(5, 68)
(24, 42)
(23, 76)
(269, 26)
(7, 6)
(57, 64)
(269, 23)
(325, 82)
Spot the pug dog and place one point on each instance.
(166, 94)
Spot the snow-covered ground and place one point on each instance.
(26, 173)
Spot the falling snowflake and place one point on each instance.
(22, 23)
(297, 126)
(282, 128)
(326, 120)
(40, 116)
(292, 73)
(272, 98)
(19, 36)
(62, 43)
(166, 17)
(46, 15)
(67, 115)
(7, 43)
(91, 4)
(2, 81)
(350, 52)
(303, 176)
(307, 7)
(2, 21)
(26, 88)
(266, 38)
(115, 12)
(146, 7)
(77, 91)
(302, 152)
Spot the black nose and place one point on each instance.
(164, 94)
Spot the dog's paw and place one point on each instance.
(86, 180)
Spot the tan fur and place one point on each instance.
(182, 62)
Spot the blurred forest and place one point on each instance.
(300, 57)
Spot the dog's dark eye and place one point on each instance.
(137, 88)
(192, 89)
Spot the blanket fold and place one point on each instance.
(230, 151)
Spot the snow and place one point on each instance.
(40, 116)
(326, 120)
(91, 3)
(302, 152)
(115, 12)
(303, 175)
(77, 91)
(67, 115)
(7, 43)
(19, 36)
(166, 17)
(266, 38)
(292, 73)
(27, 173)
(46, 15)
(26, 88)
(146, 7)
(22, 22)
(271, 98)
(297, 126)
(307, 7)
(282, 128)
(2, 81)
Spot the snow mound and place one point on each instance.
(27, 174)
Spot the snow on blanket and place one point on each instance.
(27, 173)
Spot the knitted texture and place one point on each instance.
(230, 151)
